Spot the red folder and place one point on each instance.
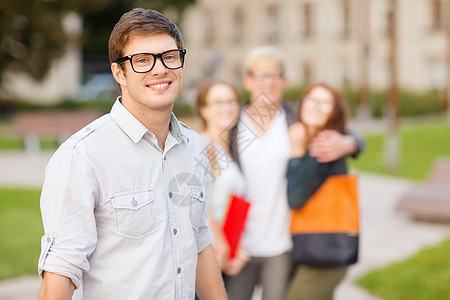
(234, 222)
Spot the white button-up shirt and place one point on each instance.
(122, 218)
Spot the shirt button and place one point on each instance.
(164, 157)
(201, 194)
(49, 239)
(170, 194)
(179, 270)
(134, 202)
(175, 231)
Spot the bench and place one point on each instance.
(59, 125)
(430, 201)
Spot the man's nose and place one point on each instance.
(159, 66)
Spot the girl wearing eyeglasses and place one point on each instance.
(218, 105)
(323, 114)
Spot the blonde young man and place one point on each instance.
(261, 143)
(124, 203)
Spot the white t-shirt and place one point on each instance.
(264, 162)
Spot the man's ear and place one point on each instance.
(119, 74)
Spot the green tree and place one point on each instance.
(98, 24)
(32, 34)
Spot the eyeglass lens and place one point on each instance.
(144, 62)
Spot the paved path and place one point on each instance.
(386, 235)
(18, 169)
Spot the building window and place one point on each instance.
(437, 74)
(346, 19)
(237, 70)
(307, 73)
(210, 30)
(272, 27)
(436, 15)
(215, 59)
(346, 74)
(307, 20)
(238, 19)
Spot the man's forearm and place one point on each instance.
(358, 142)
(351, 146)
(209, 282)
(56, 287)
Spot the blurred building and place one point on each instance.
(337, 41)
(326, 40)
(62, 80)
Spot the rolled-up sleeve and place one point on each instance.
(67, 205)
(360, 143)
(204, 236)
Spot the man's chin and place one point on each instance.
(164, 106)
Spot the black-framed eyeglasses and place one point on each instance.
(144, 62)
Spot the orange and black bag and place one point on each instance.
(325, 230)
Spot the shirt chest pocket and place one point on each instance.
(135, 213)
(196, 205)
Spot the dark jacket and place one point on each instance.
(305, 175)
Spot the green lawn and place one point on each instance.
(424, 276)
(9, 142)
(420, 145)
(21, 227)
(14, 142)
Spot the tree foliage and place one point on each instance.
(98, 24)
(32, 32)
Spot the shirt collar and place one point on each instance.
(134, 129)
(175, 130)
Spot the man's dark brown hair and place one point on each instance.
(140, 22)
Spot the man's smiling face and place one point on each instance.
(155, 90)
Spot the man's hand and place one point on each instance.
(56, 287)
(330, 145)
(237, 263)
(209, 283)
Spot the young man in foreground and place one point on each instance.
(124, 203)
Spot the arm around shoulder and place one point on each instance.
(330, 145)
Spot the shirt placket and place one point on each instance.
(174, 228)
